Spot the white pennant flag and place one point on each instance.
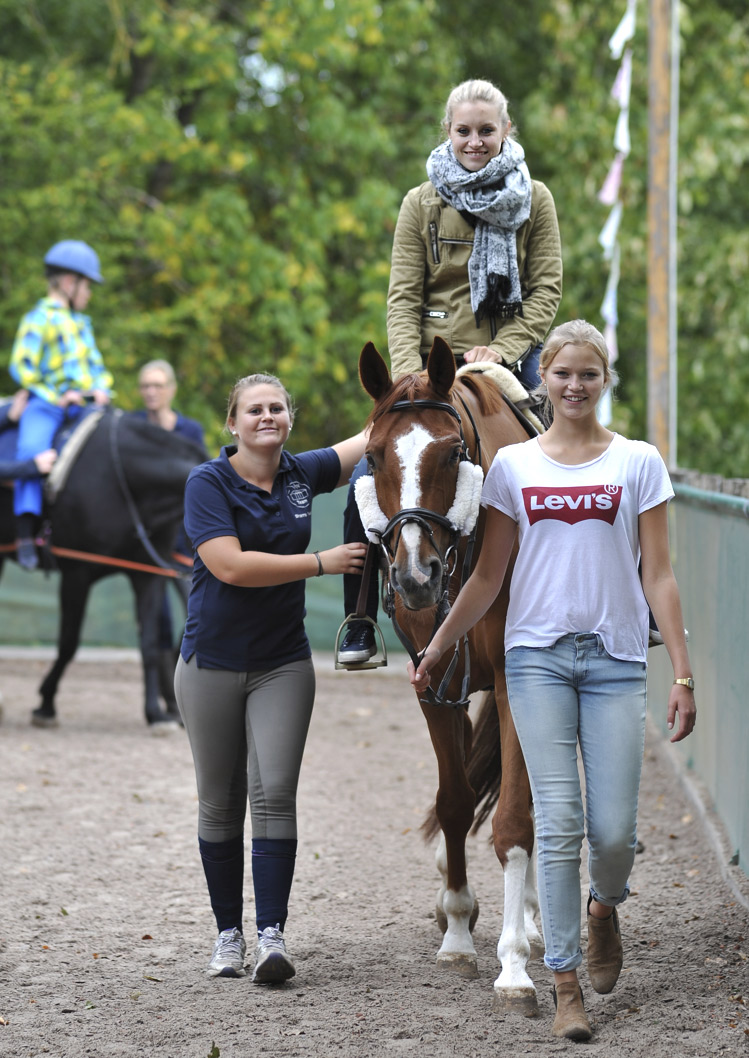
(609, 310)
(607, 238)
(621, 136)
(624, 31)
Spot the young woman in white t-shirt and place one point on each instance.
(587, 506)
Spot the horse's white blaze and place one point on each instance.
(410, 448)
(513, 949)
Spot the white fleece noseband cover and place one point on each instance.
(462, 514)
(467, 503)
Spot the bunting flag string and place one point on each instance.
(609, 193)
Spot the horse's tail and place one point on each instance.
(484, 768)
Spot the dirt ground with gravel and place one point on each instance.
(106, 929)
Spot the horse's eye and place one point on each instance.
(370, 460)
(455, 455)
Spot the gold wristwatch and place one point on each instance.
(686, 681)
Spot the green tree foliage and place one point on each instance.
(551, 58)
(713, 236)
(239, 166)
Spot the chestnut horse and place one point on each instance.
(433, 437)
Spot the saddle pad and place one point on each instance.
(507, 383)
(71, 449)
(8, 440)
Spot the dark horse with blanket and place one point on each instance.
(121, 505)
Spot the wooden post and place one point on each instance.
(659, 243)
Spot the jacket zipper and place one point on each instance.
(434, 241)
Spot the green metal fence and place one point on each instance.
(710, 553)
(29, 612)
(710, 550)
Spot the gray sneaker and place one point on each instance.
(272, 964)
(228, 955)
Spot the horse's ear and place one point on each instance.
(374, 373)
(441, 366)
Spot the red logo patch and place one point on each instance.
(572, 505)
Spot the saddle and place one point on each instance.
(510, 386)
(69, 441)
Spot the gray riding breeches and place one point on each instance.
(247, 732)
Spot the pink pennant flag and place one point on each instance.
(609, 193)
(622, 86)
(609, 334)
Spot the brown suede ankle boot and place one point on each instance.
(605, 955)
(571, 1021)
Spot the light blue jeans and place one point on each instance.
(575, 692)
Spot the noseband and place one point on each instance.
(426, 519)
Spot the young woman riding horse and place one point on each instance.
(476, 260)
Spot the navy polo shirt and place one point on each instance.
(185, 427)
(251, 629)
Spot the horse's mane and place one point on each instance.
(418, 387)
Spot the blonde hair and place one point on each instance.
(476, 91)
(256, 380)
(576, 332)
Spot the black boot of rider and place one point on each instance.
(26, 553)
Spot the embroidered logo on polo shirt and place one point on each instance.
(574, 504)
(298, 493)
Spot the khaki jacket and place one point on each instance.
(430, 293)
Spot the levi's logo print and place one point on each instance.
(573, 504)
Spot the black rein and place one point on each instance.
(425, 518)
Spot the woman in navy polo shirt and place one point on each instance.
(245, 682)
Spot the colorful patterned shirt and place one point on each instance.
(55, 351)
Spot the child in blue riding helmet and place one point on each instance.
(56, 359)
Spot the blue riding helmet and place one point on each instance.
(72, 255)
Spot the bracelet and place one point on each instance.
(320, 570)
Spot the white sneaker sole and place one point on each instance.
(355, 657)
(274, 969)
(225, 971)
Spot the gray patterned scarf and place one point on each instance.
(499, 197)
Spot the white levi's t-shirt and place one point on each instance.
(576, 569)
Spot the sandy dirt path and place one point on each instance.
(106, 928)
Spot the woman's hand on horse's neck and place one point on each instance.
(573, 442)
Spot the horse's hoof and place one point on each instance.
(516, 1001)
(462, 965)
(41, 718)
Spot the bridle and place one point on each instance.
(426, 519)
